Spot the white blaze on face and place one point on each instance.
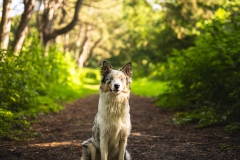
(117, 81)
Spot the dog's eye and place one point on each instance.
(122, 79)
(108, 78)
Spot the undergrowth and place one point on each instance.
(203, 80)
(34, 82)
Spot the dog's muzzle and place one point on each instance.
(116, 88)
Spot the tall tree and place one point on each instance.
(23, 26)
(83, 56)
(5, 24)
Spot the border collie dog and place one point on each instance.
(112, 123)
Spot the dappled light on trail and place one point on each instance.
(138, 134)
(56, 144)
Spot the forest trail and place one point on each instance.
(153, 136)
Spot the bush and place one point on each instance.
(206, 77)
(34, 81)
(28, 75)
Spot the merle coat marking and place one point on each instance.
(112, 123)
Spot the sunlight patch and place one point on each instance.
(56, 144)
(144, 135)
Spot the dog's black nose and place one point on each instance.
(116, 86)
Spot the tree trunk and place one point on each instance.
(90, 54)
(82, 38)
(5, 24)
(85, 51)
(38, 20)
(48, 18)
(94, 46)
(23, 26)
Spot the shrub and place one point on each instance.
(34, 81)
(206, 77)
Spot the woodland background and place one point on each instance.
(185, 55)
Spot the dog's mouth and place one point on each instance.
(116, 91)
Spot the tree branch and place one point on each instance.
(55, 33)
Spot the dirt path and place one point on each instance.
(153, 137)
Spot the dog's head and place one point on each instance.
(116, 81)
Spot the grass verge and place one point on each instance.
(147, 88)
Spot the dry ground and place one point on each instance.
(153, 136)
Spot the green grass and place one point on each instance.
(72, 92)
(148, 88)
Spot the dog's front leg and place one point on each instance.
(104, 147)
(122, 147)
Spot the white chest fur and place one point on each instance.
(113, 115)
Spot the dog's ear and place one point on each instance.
(127, 69)
(105, 68)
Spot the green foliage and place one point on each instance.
(12, 125)
(233, 128)
(28, 75)
(90, 76)
(147, 87)
(227, 147)
(35, 81)
(204, 116)
(150, 30)
(205, 78)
